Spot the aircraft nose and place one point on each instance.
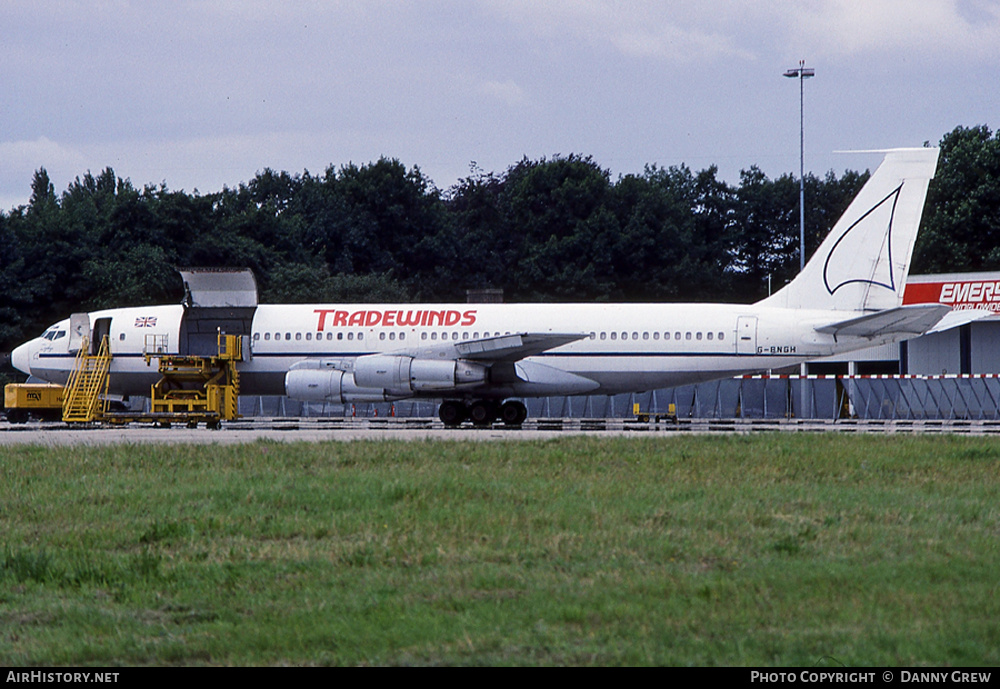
(21, 358)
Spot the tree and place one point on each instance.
(960, 230)
(766, 229)
(556, 212)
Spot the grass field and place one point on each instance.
(733, 550)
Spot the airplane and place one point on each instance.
(482, 360)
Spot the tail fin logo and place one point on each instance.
(863, 253)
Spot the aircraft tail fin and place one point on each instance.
(863, 263)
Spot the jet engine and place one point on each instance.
(404, 373)
(379, 378)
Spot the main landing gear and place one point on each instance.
(482, 413)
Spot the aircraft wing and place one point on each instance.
(909, 320)
(502, 348)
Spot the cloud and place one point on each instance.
(674, 32)
(22, 158)
(956, 29)
(683, 32)
(506, 91)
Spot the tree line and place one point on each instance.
(554, 229)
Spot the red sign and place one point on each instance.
(958, 294)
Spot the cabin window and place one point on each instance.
(402, 336)
(645, 336)
(666, 336)
(392, 336)
(381, 336)
(329, 336)
(361, 336)
(267, 336)
(709, 335)
(454, 335)
(288, 336)
(434, 336)
(604, 336)
(656, 335)
(635, 336)
(697, 336)
(614, 336)
(687, 336)
(309, 337)
(722, 336)
(350, 336)
(465, 336)
(121, 337)
(256, 336)
(340, 336)
(423, 336)
(593, 336)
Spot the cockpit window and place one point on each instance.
(53, 334)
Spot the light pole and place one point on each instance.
(802, 73)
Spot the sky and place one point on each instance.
(199, 96)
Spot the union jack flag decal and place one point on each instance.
(145, 322)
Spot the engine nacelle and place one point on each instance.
(400, 374)
(378, 378)
(311, 385)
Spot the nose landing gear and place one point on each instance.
(482, 413)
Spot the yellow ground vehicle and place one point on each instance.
(41, 400)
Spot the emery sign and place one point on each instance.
(974, 291)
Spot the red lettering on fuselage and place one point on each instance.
(392, 318)
(411, 318)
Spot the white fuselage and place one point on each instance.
(625, 347)
(847, 297)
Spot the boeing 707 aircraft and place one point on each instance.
(481, 360)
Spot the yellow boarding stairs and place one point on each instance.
(87, 389)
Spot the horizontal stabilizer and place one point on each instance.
(905, 320)
(957, 318)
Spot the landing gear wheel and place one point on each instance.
(513, 413)
(452, 413)
(483, 413)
